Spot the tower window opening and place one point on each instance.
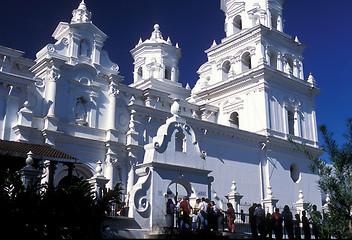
(225, 69)
(289, 66)
(274, 21)
(291, 122)
(168, 73)
(273, 60)
(140, 73)
(180, 142)
(237, 24)
(84, 48)
(246, 62)
(234, 120)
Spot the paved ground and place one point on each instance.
(198, 235)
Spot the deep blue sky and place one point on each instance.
(323, 25)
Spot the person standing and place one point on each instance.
(296, 227)
(316, 217)
(252, 221)
(203, 214)
(288, 221)
(277, 223)
(185, 211)
(231, 216)
(178, 212)
(259, 214)
(269, 225)
(170, 213)
(213, 216)
(306, 226)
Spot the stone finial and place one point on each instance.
(233, 188)
(29, 159)
(300, 196)
(156, 34)
(214, 44)
(99, 169)
(270, 192)
(81, 14)
(311, 80)
(169, 41)
(175, 108)
(296, 40)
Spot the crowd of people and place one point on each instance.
(205, 215)
(278, 222)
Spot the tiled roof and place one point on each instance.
(37, 150)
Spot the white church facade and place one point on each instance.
(225, 139)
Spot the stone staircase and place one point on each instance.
(122, 228)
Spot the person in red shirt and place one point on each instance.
(276, 220)
(185, 211)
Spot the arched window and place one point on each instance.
(81, 111)
(225, 69)
(237, 24)
(289, 66)
(295, 172)
(234, 120)
(273, 60)
(246, 62)
(273, 21)
(168, 73)
(291, 122)
(139, 73)
(84, 48)
(179, 142)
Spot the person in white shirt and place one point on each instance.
(203, 214)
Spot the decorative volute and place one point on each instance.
(81, 14)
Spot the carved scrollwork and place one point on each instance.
(54, 75)
(141, 201)
(64, 41)
(50, 48)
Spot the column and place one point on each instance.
(261, 54)
(113, 92)
(279, 61)
(174, 74)
(280, 23)
(297, 125)
(238, 65)
(110, 161)
(97, 47)
(301, 73)
(296, 68)
(54, 75)
(12, 107)
(314, 126)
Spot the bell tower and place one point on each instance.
(246, 14)
(255, 74)
(156, 65)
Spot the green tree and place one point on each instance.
(69, 211)
(335, 180)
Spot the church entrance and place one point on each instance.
(178, 188)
